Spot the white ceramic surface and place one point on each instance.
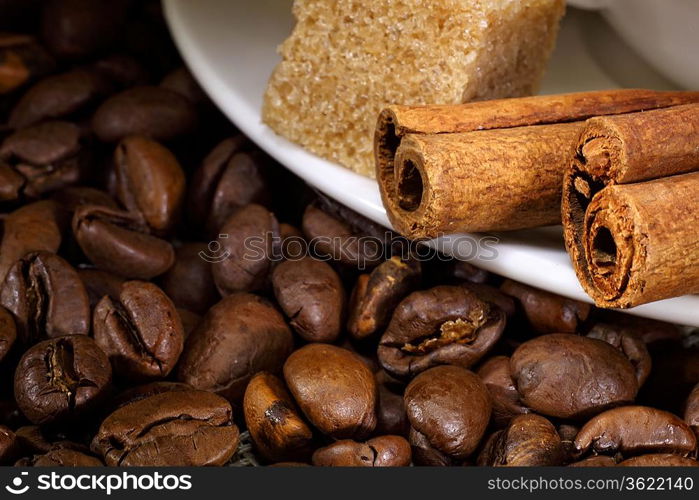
(664, 32)
(230, 47)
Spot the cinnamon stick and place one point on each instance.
(491, 165)
(630, 207)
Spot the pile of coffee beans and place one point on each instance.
(167, 291)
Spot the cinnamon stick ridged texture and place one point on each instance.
(489, 166)
(630, 207)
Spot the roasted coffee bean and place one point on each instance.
(149, 182)
(60, 379)
(248, 241)
(492, 295)
(311, 295)
(71, 197)
(691, 412)
(155, 432)
(636, 429)
(650, 331)
(451, 407)
(61, 457)
(529, 441)
(495, 373)
(659, 460)
(180, 80)
(121, 70)
(293, 244)
(240, 336)
(466, 271)
(141, 331)
(47, 156)
(22, 60)
(119, 242)
(273, 420)
(144, 391)
(567, 376)
(628, 343)
(100, 283)
(383, 451)
(8, 332)
(192, 267)
(595, 461)
(443, 325)
(338, 240)
(376, 295)
(546, 312)
(334, 389)
(9, 446)
(34, 227)
(154, 112)
(427, 455)
(47, 298)
(568, 433)
(32, 440)
(59, 96)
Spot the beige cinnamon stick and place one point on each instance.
(631, 239)
(492, 165)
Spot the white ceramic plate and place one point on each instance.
(230, 46)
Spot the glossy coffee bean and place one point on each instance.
(121, 243)
(139, 392)
(8, 332)
(62, 457)
(383, 451)
(149, 182)
(495, 373)
(248, 241)
(33, 227)
(335, 238)
(46, 297)
(424, 454)
(311, 295)
(691, 412)
(9, 446)
(193, 267)
(334, 389)
(240, 336)
(529, 441)
(492, 295)
(273, 420)
(568, 376)
(154, 112)
(546, 312)
(633, 430)
(60, 379)
(443, 325)
(633, 347)
(153, 432)
(59, 96)
(450, 406)
(140, 331)
(659, 460)
(376, 295)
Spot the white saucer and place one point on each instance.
(230, 47)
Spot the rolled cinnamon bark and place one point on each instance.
(632, 239)
(491, 165)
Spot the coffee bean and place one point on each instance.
(390, 414)
(60, 379)
(141, 331)
(100, 283)
(312, 296)
(595, 461)
(495, 373)
(450, 406)
(546, 312)
(9, 446)
(427, 455)
(46, 297)
(275, 424)
(240, 336)
(691, 413)
(443, 325)
(71, 197)
(529, 441)
(334, 389)
(383, 451)
(248, 241)
(636, 429)
(659, 460)
(377, 294)
(191, 267)
(154, 112)
(183, 82)
(61, 457)
(121, 70)
(149, 182)
(121, 243)
(628, 343)
(144, 391)
(22, 60)
(190, 321)
(8, 332)
(567, 376)
(153, 432)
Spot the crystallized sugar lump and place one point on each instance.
(346, 59)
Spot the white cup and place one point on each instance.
(664, 32)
